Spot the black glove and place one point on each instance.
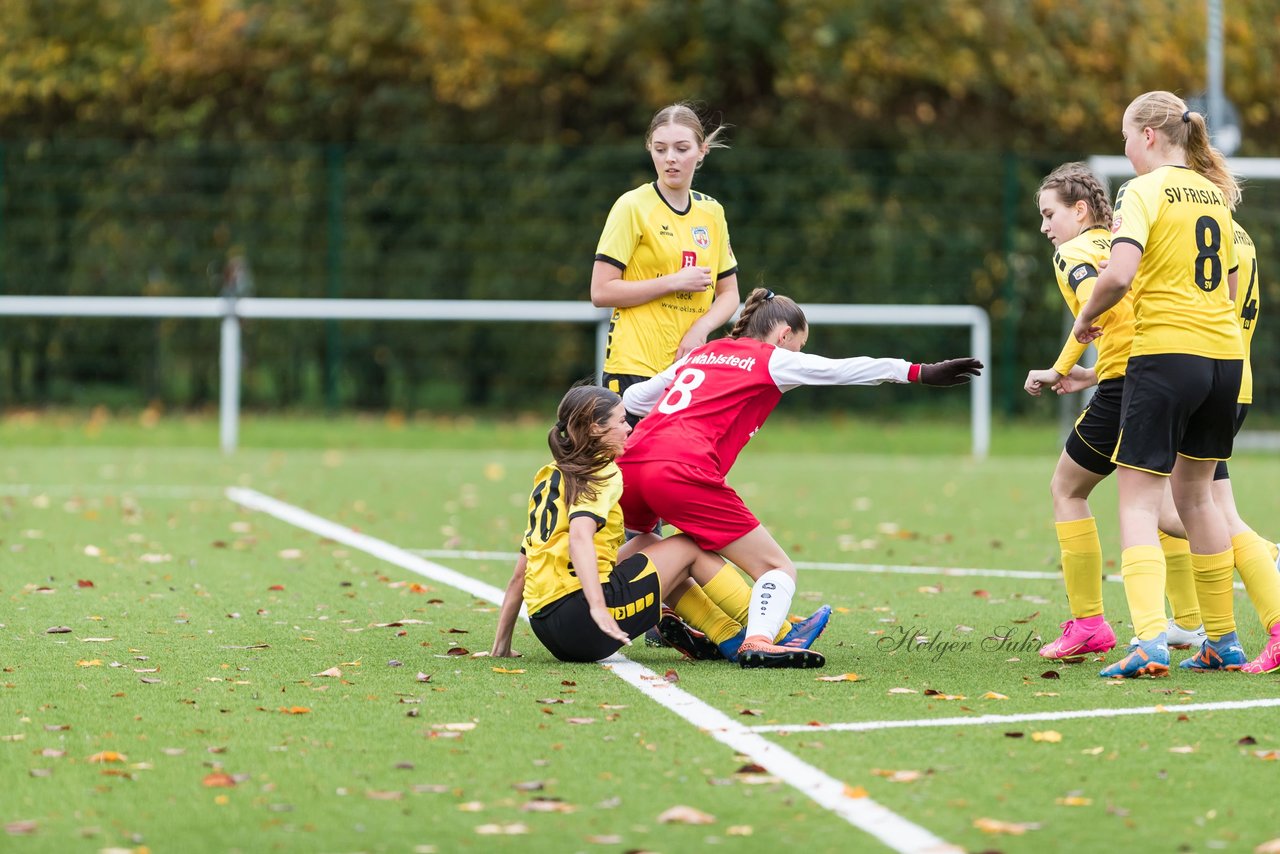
(950, 372)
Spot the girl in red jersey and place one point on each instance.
(698, 415)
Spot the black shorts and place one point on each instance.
(1177, 405)
(619, 383)
(1220, 473)
(634, 594)
(1093, 439)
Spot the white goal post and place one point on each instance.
(230, 310)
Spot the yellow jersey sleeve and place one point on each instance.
(1248, 304)
(1076, 265)
(622, 233)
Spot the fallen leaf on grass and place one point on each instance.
(1247, 741)
(377, 795)
(464, 726)
(605, 839)
(529, 786)
(57, 630)
(1014, 734)
(331, 672)
(902, 776)
(290, 554)
(548, 805)
(854, 792)
(457, 650)
(1049, 735)
(506, 670)
(398, 623)
(295, 710)
(841, 677)
(1182, 748)
(671, 676)
(515, 829)
(96, 640)
(1271, 846)
(685, 815)
(95, 662)
(1012, 828)
(938, 695)
(21, 828)
(903, 691)
(423, 677)
(1027, 618)
(1093, 751)
(1267, 755)
(219, 779)
(1051, 674)
(580, 720)
(108, 756)
(992, 695)
(1073, 801)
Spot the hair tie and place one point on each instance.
(1186, 116)
(768, 294)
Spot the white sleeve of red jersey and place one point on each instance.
(792, 370)
(641, 398)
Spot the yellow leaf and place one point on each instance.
(1092, 751)
(95, 662)
(1073, 801)
(1049, 735)
(739, 830)
(842, 677)
(992, 695)
(505, 670)
(855, 792)
(991, 825)
(108, 756)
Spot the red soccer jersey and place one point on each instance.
(720, 396)
(703, 409)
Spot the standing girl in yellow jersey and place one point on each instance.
(664, 263)
(575, 522)
(1173, 245)
(1076, 217)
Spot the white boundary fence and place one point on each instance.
(231, 310)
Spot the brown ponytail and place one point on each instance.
(575, 446)
(763, 311)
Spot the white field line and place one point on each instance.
(983, 720)
(873, 568)
(885, 825)
(137, 490)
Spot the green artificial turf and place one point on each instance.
(231, 618)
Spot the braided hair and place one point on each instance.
(1075, 182)
(577, 447)
(763, 311)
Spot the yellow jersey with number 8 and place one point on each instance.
(1183, 226)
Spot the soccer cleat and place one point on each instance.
(1222, 654)
(756, 651)
(1081, 636)
(653, 637)
(1180, 638)
(685, 638)
(805, 632)
(1148, 658)
(1268, 661)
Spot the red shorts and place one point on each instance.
(694, 500)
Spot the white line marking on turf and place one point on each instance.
(890, 828)
(874, 568)
(982, 720)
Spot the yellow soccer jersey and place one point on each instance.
(1076, 266)
(550, 574)
(1183, 226)
(647, 238)
(1248, 303)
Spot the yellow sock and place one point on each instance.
(1081, 566)
(1180, 581)
(1258, 571)
(1143, 570)
(732, 593)
(1214, 574)
(697, 609)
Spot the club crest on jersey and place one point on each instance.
(701, 236)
